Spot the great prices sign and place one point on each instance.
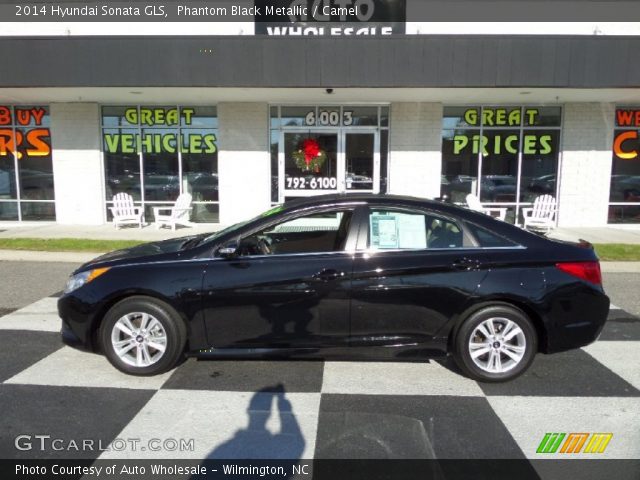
(506, 139)
(23, 132)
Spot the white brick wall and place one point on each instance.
(585, 172)
(77, 163)
(415, 159)
(244, 164)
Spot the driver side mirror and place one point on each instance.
(229, 249)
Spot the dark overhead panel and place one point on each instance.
(396, 61)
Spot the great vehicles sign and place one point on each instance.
(158, 132)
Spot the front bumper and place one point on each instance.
(70, 338)
(77, 321)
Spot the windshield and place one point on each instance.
(239, 225)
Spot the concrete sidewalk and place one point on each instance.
(33, 256)
(148, 233)
(609, 234)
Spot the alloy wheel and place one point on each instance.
(139, 339)
(497, 345)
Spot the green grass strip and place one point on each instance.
(620, 252)
(65, 244)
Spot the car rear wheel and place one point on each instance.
(495, 344)
(143, 336)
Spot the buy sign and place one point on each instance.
(18, 134)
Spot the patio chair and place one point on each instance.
(473, 202)
(542, 216)
(125, 212)
(177, 215)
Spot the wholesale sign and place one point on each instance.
(330, 17)
(22, 132)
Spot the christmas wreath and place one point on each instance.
(309, 156)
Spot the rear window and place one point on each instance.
(489, 239)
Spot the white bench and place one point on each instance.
(125, 212)
(473, 203)
(177, 215)
(542, 216)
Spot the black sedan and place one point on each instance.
(342, 275)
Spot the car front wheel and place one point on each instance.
(143, 336)
(495, 344)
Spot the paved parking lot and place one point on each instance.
(307, 409)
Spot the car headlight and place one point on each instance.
(79, 279)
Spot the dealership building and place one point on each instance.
(243, 120)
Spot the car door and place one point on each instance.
(295, 295)
(413, 270)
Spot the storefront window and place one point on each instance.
(459, 167)
(499, 156)
(624, 195)
(155, 153)
(513, 150)
(26, 168)
(539, 164)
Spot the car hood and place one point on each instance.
(139, 252)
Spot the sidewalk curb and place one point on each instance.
(82, 257)
(37, 256)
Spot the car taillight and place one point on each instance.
(589, 271)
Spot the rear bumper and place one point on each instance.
(576, 321)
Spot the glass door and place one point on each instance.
(318, 161)
(362, 161)
(310, 163)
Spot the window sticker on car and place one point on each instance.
(397, 230)
(412, 232)
(384, 231)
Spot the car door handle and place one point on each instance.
(327, 275)
(465, 264)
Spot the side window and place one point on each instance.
(489, 239)
(314, 233)
(391, 229)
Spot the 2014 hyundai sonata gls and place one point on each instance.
(342, 275)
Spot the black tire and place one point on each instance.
(174, 329)
(461, 344)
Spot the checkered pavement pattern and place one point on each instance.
(313, 409)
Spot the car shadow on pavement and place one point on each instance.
(450, 364)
